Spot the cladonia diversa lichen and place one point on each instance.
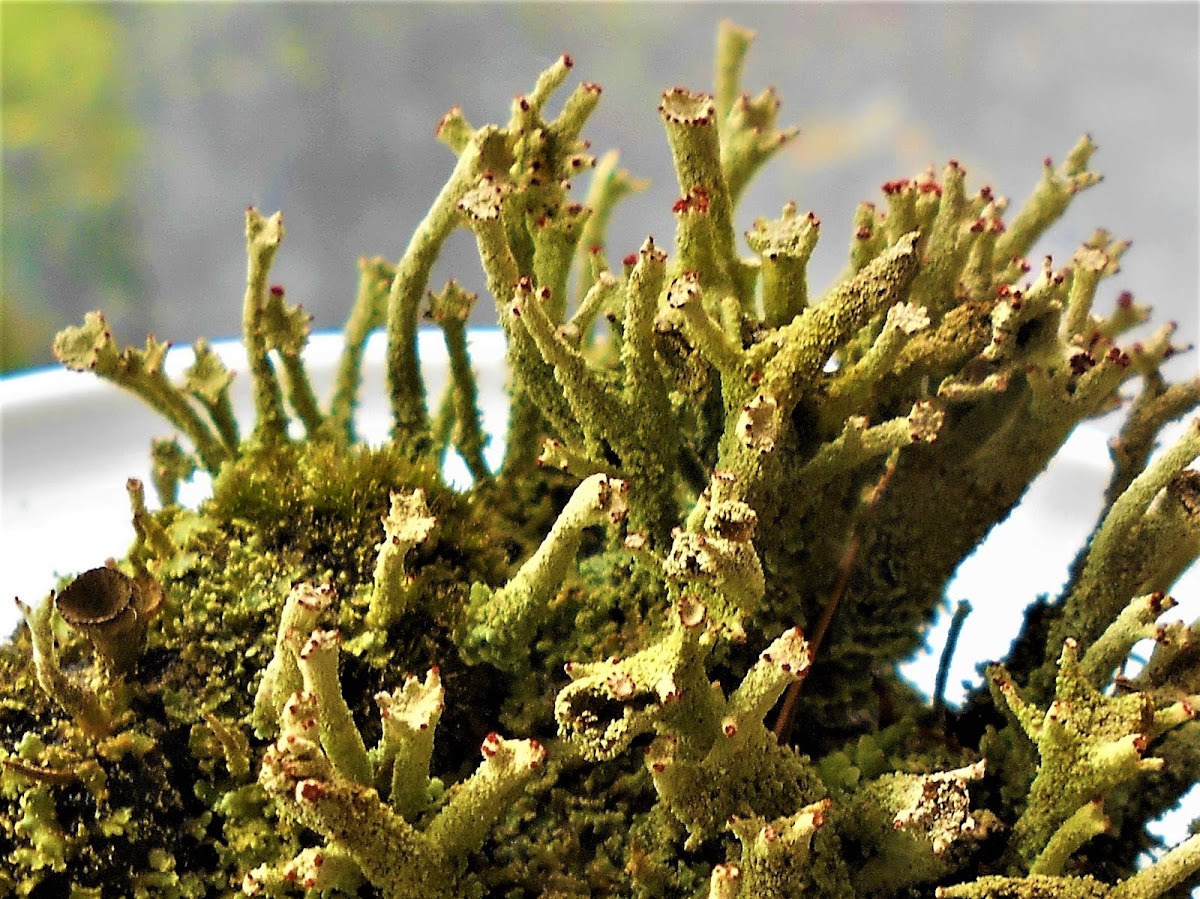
(654, 652)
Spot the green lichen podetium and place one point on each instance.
(655, 653)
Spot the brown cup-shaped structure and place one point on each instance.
(111, 609)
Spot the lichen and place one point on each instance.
(720, 490)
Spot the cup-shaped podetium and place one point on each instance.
(111, 609)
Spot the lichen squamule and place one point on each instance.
(653, 653)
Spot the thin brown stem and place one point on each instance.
(783, 724)
(961, 611)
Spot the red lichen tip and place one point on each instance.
(863, 233)
(276, 290)
(491, 745)
(1047, 163)
(695, 199)
(1081, 362)
(631, 259)
(567, 61)
(309, 791)
(1125, 300)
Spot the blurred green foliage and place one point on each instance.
(70, 147)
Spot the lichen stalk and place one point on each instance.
(343, 744)
(263, 237)
(1106, 580)
(410, 715)
(407, 524)
(609, 184)
(281, 678)
(405, 386)
(208, 380)
(502, 622)
(1049, 199)
(784, 246)
(91, 348)
(367, 313)
(690, 120)
(450, 309)
(79, 701)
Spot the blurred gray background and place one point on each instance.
(136, 134)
